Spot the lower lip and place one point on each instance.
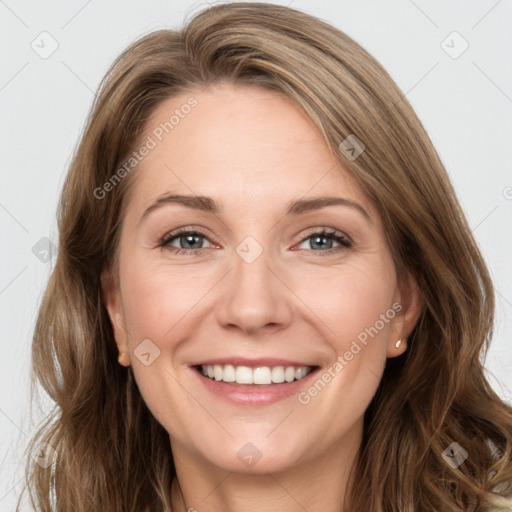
(247, 394)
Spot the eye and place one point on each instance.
(190, 241)
(324, 239)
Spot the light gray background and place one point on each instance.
(465, 104)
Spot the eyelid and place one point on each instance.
(344, 241)
(175, 233)
(338, 236)
(326, 231)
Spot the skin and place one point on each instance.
(253, 151)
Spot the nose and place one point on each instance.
(254, 297)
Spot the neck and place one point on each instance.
(323, 483)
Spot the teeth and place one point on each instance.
(289, 374)
(217, 372)
(278, 374)
(243, 374)
(260, 375)
(229, 373)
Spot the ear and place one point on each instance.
(409, 307)
(112, 300)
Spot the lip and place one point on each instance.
(253, 363)
(254, 394)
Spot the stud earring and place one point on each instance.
(398, 343)
(123, 359)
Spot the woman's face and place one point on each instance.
(252, 289)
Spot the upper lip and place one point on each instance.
(252, 363)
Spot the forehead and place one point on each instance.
(240, 144)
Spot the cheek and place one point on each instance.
(158, 297)
(356, 309)
(352, 299)
(161, 303)
(348, 299)
(169, 303)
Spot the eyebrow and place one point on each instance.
(209, 205)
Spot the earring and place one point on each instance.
(123, 358)
(398, 343)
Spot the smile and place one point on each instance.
(263, 375)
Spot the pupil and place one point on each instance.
(190, 238)
(319, 241)
(315, 240)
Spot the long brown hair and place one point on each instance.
(110, 452)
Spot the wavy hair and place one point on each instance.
(110, 452)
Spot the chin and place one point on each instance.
(254, 454)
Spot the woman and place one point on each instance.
(266, 295)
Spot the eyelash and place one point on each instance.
(343, 240)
